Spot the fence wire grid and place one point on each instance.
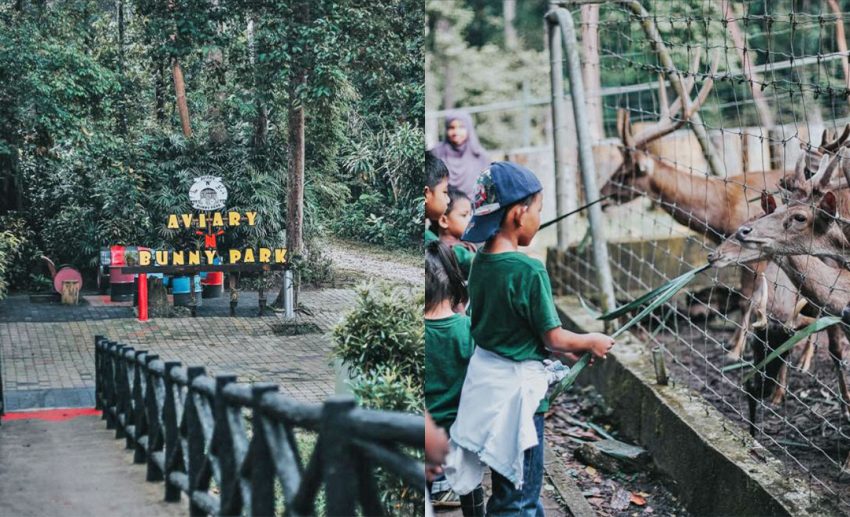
(794, 86)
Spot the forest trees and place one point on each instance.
(297, 103)
(468, 64)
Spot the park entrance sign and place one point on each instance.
(207, 196)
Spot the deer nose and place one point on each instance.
(743, 232)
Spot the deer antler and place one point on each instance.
(670, 123)
(828, 164)
(831, 146)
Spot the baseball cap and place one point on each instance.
(496, 189)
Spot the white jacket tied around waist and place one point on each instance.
(495, 419)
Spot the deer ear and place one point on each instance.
(768, 203)
(828, 204)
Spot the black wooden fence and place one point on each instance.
(191, 430)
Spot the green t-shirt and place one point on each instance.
(464, 259)
(430, 236)
(511, 306)
(448, 347)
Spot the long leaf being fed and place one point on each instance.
(658, 296)
(814, 328)
(635, 304)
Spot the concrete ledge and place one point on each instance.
(718, 469)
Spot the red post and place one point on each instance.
(143, 297)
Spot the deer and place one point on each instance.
(778, 236)
(712, 206)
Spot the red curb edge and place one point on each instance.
(51, 415)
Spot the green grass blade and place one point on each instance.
(817, 326)
(631, 306)
(736, 366)
(570, 378)
(590, 310)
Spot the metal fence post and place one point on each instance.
(563, 175)
(564, 19)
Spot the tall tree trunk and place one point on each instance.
(295, 200)
(509, 15)
(180, 91)
(295, 183)
(590, 69)
(180, 87)
(841, 40)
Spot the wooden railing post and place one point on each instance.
(223, 447)
(109, 383)
(98, 372)
(172, 433)
(262, 464)
(339, 470)
(195, 439)
(152, 418)
(140, 427)
(122, 398)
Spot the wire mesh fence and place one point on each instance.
(763, 78)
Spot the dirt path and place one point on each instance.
(364, 261)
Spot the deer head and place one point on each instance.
(804, 226)
(630, 180)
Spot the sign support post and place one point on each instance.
(143, 297)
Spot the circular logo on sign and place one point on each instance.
(208, 193)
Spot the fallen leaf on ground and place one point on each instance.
(590, 470)
(637, 499)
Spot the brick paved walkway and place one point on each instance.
(50, 346)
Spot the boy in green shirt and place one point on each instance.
(448, 347)
(452, 224)
(513, 321)
(436, 193)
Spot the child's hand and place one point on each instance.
(568, 358)
(599, 344)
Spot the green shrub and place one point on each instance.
(24, 263)
(382, 340)
(8, 249)
(385, 329)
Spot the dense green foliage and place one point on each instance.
(382, 342)
(468, 62)
(91, 147)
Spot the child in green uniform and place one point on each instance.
(515, 327)
(451, 226)
(436, 193)
(448, 346)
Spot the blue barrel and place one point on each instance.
(180, 289)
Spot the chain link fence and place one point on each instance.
(763, 79)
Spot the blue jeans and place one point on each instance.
(507, 500)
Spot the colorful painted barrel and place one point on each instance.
(213, 284)
(120, 284)
(180, 290)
